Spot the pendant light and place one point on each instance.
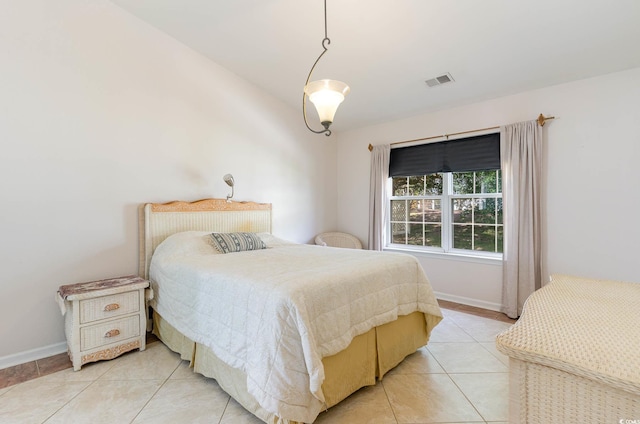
(325, 94)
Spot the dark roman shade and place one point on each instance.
(477, 153)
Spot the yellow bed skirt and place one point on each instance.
(369, 356)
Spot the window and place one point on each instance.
(448, 211)
(447, 196)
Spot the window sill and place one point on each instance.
(459, 257)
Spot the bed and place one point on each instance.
(287, 330)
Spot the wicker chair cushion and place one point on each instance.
(338, 239)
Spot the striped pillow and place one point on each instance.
(236, 242)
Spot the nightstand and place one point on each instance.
(103, 319)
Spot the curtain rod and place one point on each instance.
(541, 120)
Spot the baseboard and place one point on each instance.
(468, 301)
(32, 355)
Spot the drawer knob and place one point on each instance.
(112, 333)
(111, 307)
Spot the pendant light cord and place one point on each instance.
(325, 22)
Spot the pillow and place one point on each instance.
(236, 242)
(272, 241)
(187, 243)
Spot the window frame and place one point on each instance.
(446, 210)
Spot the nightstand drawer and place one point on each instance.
(109, 332)
(109, 306)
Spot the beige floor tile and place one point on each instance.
(88, 372)
(481, 329)
(368, 405)
(236, 414)
(448, 331)
(428, 398)
(491, 347)
(489, 393)
(456, 315)
(35, 400)
(184, 371)
(157, 362)
(462, 318)
(465, 358)
(4, 390)
(421, 362)
(190, 401)
(107, 402)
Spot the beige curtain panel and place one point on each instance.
(378, 196)
(521, 158)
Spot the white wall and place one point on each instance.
(592, 169)
(99, 112)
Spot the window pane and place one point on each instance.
(420, 185)
(486, 182)
(499, 171)
(424, 235)
(462, 236)
(485, 212)
(433, 184)
(398, 210)
(416, 212)
(416, 236)
(416, 186)
(500, 239)
(463, 182)
(462, 210)
(432, 210)
(424, 210)
(433, 235)
(398, 233)
(485, 238)
(499, 211)
(399, 186)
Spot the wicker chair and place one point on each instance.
(337, 239)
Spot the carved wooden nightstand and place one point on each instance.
(103, 319)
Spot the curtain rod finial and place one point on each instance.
(370, 147)
(541, 119)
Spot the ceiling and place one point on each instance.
(385, 50)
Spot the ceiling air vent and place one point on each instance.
(442, 79)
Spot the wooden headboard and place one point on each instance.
(157, 221)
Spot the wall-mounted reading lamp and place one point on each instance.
(228, 178)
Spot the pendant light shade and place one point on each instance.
(326, 95)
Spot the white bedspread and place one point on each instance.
(275, 313)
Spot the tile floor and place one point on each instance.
(459, 377)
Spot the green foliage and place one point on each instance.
(477, 182)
